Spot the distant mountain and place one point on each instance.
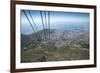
(58, 37)
(60, 46)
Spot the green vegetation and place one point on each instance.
(49, 52)
(35, 55)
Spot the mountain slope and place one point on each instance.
(62, 45)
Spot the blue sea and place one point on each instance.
(69, 26)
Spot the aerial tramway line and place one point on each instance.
(45, 20)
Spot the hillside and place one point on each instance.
(61, 45)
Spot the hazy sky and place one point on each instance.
(58, 20)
